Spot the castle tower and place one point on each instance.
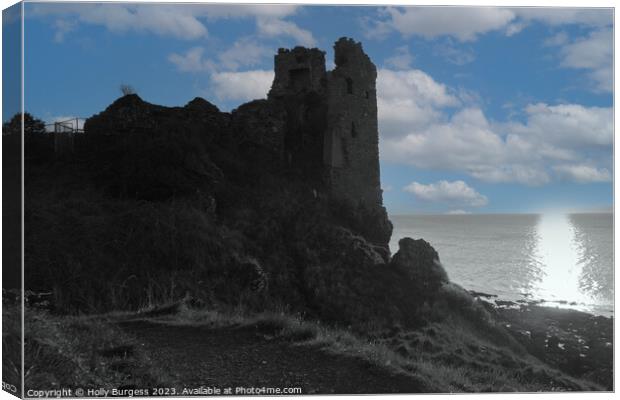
(331, 130)
(299, 88)
(298, 71)
(351, 143)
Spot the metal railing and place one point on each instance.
(64, 134)
(73, 125)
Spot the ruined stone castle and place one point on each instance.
(318, 125)
(331, 117)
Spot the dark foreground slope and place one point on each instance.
(186, 348)
(254, 357)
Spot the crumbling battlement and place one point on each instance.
(297, 71)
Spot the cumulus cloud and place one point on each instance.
(582, 173)
(409, 99)
(452, 193)
(427, 124)
(570, 125)
(242, 86)
(465, 24)
(594, 54)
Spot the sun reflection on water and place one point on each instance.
(558, 257)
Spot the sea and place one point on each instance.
(558, 260)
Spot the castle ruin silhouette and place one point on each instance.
(331, 118)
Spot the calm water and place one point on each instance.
(565, 260)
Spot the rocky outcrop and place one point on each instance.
(420, 262)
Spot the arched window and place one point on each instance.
(349, 86)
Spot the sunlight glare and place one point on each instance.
(558, 259)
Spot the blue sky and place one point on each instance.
(480, 109)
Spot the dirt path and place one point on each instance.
(234, 357)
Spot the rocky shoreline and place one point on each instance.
(576, 342)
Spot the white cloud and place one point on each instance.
(401, 60)
(468, 23)
(414, 84)
(593, 53)
(242, 86)
(429, 125)
(160, 19)
(464, 24)
(184, 21)
(454, 193)
(582, 173)
(466, 142)
(226, 82)
(571, 125)
(191, 61)
(409, 99)
(273, 27)
(244, 52)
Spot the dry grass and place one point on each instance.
(447, 356)
(85, 352)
